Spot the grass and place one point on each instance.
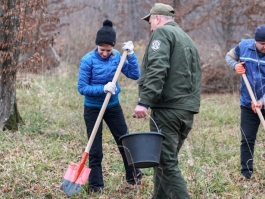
(33, 160)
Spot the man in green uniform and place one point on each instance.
(170, 84)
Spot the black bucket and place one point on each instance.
(142, 149)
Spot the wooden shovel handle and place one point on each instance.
(105, 103)
(253, 100)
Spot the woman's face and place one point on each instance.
(105, 50)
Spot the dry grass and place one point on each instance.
(34, 159)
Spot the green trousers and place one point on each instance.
(168, 179)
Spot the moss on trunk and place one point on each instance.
(14, 120)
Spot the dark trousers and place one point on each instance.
(249, 125)
(115, 120)
(175, 126)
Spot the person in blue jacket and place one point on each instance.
(97, 69)
(248, 57)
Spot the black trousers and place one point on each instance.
(115, 120)
(249, 127)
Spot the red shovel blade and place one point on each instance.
(75, 177)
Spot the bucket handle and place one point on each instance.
(153, 121)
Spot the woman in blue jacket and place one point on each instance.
(97, 69)
(248, 57)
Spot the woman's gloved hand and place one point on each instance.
(110, 87)
(128, 46)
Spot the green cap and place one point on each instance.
(160, 9)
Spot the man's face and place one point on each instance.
(153, 21)
(260, 45)
(105, 50)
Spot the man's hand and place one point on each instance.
(240, 69)
(258, 105)
(140, 112)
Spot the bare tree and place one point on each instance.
(17, 22)
(9, 54)
(228, 22)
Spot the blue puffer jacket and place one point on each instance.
(255, 72)
(95, 72)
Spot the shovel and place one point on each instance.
(77, 174)
(253, 100)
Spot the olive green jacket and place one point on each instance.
(170, 71)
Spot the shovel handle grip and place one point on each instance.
(105, 103)
(254, 100)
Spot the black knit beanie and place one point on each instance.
(260, 33)
(106, 34)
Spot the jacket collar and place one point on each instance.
(171, 23)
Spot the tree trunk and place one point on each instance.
(9, 25)
(14, 119)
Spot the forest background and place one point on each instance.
(50, 124)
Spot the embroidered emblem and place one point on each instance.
(155, 45)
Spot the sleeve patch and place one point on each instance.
(231, 53)
(155, 45)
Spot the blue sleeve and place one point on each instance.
(84, 78)
(131, 67)
(230, 61)
(232, 57)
